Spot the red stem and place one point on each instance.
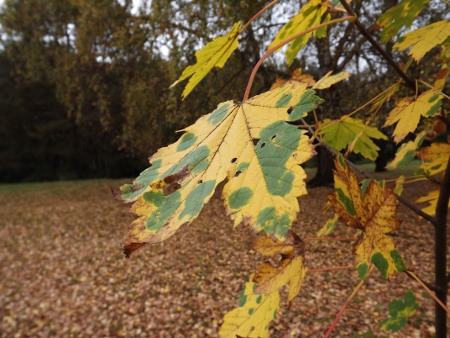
(258, 14)
(331, 269)
(286, 41)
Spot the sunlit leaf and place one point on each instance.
(214, 54)
(408, 112)
(373, 214)
(311, 14)
(252, 317)
(347, 131)
(406, 152)
(399, 16)
(424, 38)
(328, 80)
(249, 143)
(400, 311)
(289, 270)
(435, 158)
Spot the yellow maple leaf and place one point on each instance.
(296, 77)
(289, 270)
(435, 158)
(424, 38)
(312, 14)
(252, 317)
(328, 80)
(431, 198)
(214, 54)
(373, 214)
(249, 143)
(406, 152)
(408, 112)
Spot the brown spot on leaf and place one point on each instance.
(128, 249)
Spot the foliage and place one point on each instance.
(400, 311)
(256, 146)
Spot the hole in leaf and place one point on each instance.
(273, 137)
(237, 173)
(200, 182)
(255, 142)
(290, 110)
(233, 160)
(263, 145)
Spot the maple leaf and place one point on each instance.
(399, 16)
(346, 131)
(249, 143)
(289, 270)
(406, 152)
(252, 317)
(312, 14)
(431, 198)
(373, 214)
(328, 80)
(408, 112)
(399, 185)
(214, 54)
(435, 157)
(424, 38)
(400, 312)
(329, 227)
(296, 77)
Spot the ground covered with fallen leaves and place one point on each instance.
(63, 273)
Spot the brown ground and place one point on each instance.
(63, 273)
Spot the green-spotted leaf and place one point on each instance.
(408, 112)
(400, 311)
(373, 214)
(311, 14)
(329, 227)
(399, 185)
(249, 143)
(431, 198)
(424, 38)
(406, 152)
(352, 133)
(214, 54)
(252, 317)
(399, 16)
(435, 158)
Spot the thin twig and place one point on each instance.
(257, 15)
(341, 311)
(430, 286)
(331, 269)
(402, 200)
(284, 42)
(337, 239)
(413, 275)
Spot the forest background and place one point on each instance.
(84, 84)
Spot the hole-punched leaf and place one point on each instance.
(312, 14)
(252, 317)
(353, 133)
(400, 312)
(263, 182)
(399, 16)
(406, 152)
(424, 38)
(373, 214)
(408, 112)
(290, 269)
(214, 54)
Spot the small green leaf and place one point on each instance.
(400, 311)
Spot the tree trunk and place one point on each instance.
(325, 165)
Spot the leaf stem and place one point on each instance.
(430, 86)
(257, 15)
(413, 275)
(331, 239)
(402, 200)
(331, 269)
(341, 311)
(286, 41)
